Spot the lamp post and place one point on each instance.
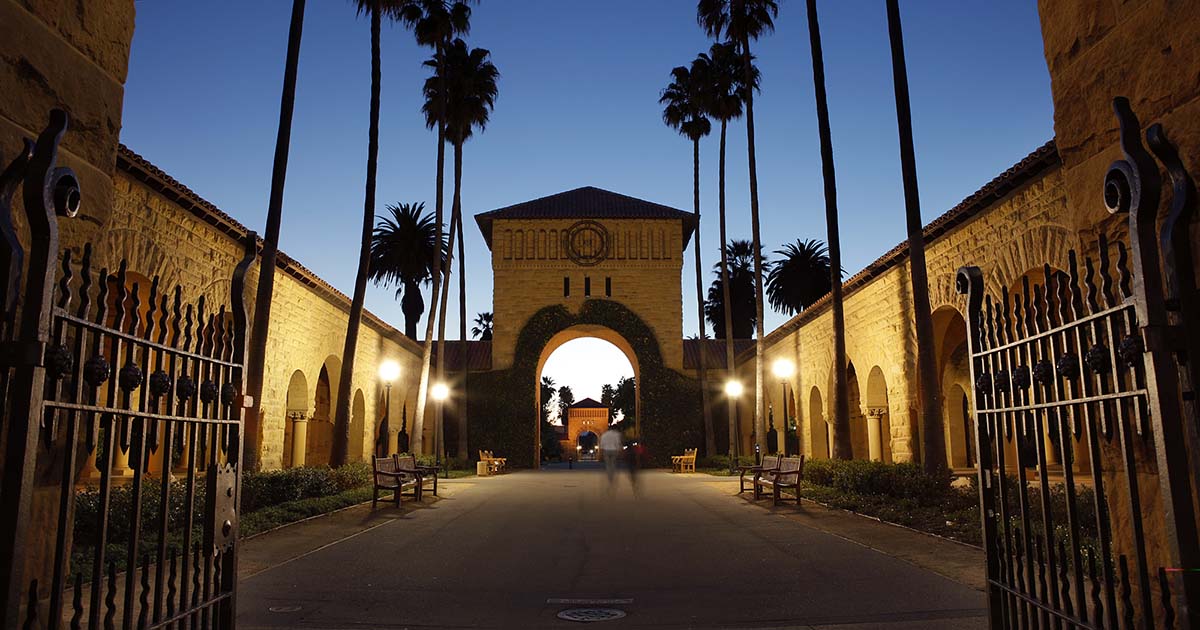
(783, 369)
(734, 389)
(440, 393)
(389, 371)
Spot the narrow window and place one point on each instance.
(608, 287)
(566, 286)
(587, 286)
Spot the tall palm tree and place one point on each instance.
(933, 447)
(841, 389)
(483, 326)
(683, 110)
(266, 270)
(725, 93)
(799, 277)
(459, 97)
(403, 249)
(378, 9)
(435, 23)
(742, 21)
(740, 293)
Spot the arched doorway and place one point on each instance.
(879, 425)
(580, 365)
(358, 428)
(296, 415)
(953, 364)
(859, 447)
(818, 427)
(587, 444)
(319, 449)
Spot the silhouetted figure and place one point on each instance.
(610, 450)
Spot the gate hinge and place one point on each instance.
(22, 354)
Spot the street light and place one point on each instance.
(389, 371)
(784, 369)
(734, 389)
(440, 393)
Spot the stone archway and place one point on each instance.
(358, 428)
(818, 427)
(879, 426)
(319, 447)
(298, 409)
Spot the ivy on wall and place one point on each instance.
(502, 403)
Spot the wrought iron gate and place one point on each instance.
(1093, 372)
(136, 393)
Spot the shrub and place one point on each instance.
(721, 462)
(899, 481)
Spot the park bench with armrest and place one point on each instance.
(494, 464)
(684, 463)
(386, 475)
(768, 463)
(423, 474)
(785, 476)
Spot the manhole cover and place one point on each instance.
(591, 614)
(284, 609)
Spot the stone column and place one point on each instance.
(875, 432)
(299, 437)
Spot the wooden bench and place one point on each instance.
(423, 474)
(494, 464)
(684, 463)
(387, 475)
(768, 462)
(785, 476)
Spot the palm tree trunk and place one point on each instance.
(725, 296)
(266, 269)
(933, 446)
(461, 451)
(341, 419)
(760, 431)
(710, 440)
(418, 433)
(438, 429)
(841, 397)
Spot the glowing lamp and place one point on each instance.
(783, 368)
(389, 371)
(733, 389)
(440, 392)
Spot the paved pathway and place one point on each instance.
(496, 552)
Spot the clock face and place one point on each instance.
(586, 243)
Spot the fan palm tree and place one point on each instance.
(800, 277)
(683, 110)
(377, 9)
(483, 326)
(459, 97)
(724, 95)
(403, 249)
(741, 21)
(266, 270)
(435, 23)
(841, 390)
(739, 316)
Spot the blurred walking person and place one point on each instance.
(610, 450)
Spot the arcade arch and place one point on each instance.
(297, 409)
(818, 427)
(879, 425)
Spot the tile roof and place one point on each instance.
(588, 403)
(587, 202)
(714, 355)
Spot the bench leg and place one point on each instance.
(398, 491)
(435, 482)
(374, 497)
(775, 496)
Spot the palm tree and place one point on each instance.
(684, 111)
(266, 269)
(841, 393)
(435, 23)
(739, 316)
(459, 97)
(377, 9)
(403, 249)
(741, 21)
(800, 277)
(933, 445)
(725, 93)
(483, 326)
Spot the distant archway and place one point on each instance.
(296, 414)
(818, 427)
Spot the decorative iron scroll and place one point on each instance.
(1082, 442)
(135, 393)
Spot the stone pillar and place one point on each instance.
(875, 433)
(393, 442)
(299, 438)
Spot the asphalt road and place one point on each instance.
(513, 551)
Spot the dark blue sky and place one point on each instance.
(578, 106)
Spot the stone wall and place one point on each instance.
(644, 269)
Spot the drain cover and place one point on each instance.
(591, 614)
(284, 609)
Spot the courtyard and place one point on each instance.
(515, 550)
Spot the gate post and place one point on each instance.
(1132, 185)
(47, 190)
